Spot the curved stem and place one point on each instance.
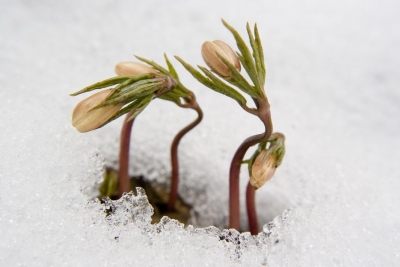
(174, 153)
(251, 209)
(123, 170)
(234, 172)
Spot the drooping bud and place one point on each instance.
(85, 118)
(212, 51)
(132, 68)
(263, 168)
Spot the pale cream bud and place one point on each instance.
(211, 50)
(84, 119)
(132, 68)
(262, 169)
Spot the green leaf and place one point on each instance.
(142, 104)
(183, 91)
(172, 98)
(102, 84)
(238, 80)
(262, 71)
(137, 103)
(195, 73)
(213, 82)
(247, 59)
(256, 56)
(154, 65)
(128, 82)
(132, 92)
(223, 88)
(172, 71)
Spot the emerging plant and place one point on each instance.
(223, 61)
(138, 84)
(182, 97)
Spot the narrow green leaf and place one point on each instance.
(238, 80)
(263, 71)
(154, 65)
(102, 84)
(223, 88)
(247, 62)
(177, 93)
(183, 91)
(171, 98)
(251, 73)
(130, 81)
(132, 92)
(212, 84)
(126, 109)
(256, 56)
(141, 106)
(172, 71)
(195, 73)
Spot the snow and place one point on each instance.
(333, 83)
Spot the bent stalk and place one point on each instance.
(263, 112)
(174, 151)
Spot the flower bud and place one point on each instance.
(267, 160)
(85, 118)
(212, 51)
(132, 68)
(262, 169)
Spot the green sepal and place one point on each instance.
(102, 84)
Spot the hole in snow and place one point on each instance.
(157, 196)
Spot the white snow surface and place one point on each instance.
(333, 82)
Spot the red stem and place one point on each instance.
(123, 172)
(174, 154)
(251, 209)
(263, 112)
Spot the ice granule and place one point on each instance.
(135, 211)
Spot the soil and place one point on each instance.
(157, 195)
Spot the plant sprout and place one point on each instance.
(226, 64)
(182, 97)
(138, 84)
